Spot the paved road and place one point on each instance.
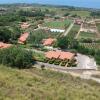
(68, 30)
(79, 31)
(82, 73)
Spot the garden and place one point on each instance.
(59, 62)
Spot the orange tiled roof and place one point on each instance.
(25, 25)
(59, 54)
(66, 55)
(4, 45)
(23, 37)
(48, 42)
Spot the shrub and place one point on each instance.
(63, 63)
(57, 62)
(16, 57)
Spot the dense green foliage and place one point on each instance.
(16, 57)
(62, 42)
(8, 19)
(9, 35)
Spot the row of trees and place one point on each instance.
(16, 57)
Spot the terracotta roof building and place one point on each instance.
(25, 25)
(60, 55)
(48, 42)
(23, 38)
(4, 45)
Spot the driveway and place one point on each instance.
(68, 30)
(85, 62)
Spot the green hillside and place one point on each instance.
(36, 84)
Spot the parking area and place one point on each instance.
(85, 62)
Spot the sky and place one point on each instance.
(78, 3)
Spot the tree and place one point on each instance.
(16, 57)
(97, 57)
(62, 42)
(66, 14)
(5, 34)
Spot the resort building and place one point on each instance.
(25, 25)
(23, 38)
(57, 30)
(48, 42)
(4, 45)
(59, 55)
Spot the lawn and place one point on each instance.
(37, 84)
(57, 24)
(87, 35)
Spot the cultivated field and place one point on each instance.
(87, 35)
(57, 24)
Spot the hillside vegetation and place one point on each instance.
(36, 84)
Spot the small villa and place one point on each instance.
(48, 42)
(25, 25)
(78, 22)
(23, 38)
(4, 45)
(57, 30)
(59, 55)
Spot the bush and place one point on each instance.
(16, 57)
(63, 63)
(57, 62)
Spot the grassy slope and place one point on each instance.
(35, 84)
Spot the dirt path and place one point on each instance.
(68, 30)
(79, 31)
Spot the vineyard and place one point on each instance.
(87, 35)
(74, 31)
(91, 45)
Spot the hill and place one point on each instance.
(36, 84)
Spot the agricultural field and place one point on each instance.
(87, 35)
(58, 24)
(81, 13)
(98, 26)
(29, 84)
(74, 31)
(91, 45)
